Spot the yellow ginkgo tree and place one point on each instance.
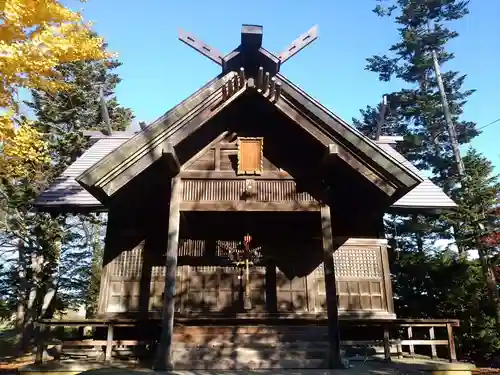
(35, 37)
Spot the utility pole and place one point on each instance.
(104, 110)
(447, 115)
(381, 117)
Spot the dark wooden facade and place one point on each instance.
(216, 212)
(249, 154)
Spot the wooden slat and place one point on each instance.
(387, 344)
(249, 206)
(399, 322)
(231, 175)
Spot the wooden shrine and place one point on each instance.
(248, 204)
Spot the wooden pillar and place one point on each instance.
(387, 343)
(163, 360)
(335, 360)
(432, 336)
(109, 343)
(40, 343)
(452, 355)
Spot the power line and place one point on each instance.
(489, 124)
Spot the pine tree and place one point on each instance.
(417, 114)
(64, 116)
(61, 242)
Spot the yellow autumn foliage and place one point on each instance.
(24, 153)
(35, 37)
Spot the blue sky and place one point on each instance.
(159, 71)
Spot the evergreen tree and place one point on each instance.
(424, 277)
(57, 253)
(64, 116)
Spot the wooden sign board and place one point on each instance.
(250, 155)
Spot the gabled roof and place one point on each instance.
(247, 72)
(425, 195)
(66, 192)
(111, 173)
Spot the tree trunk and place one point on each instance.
(21, 293)
(491, 284)
(418, 233)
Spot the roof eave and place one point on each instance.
(425, 210)
(101, 176)
(353, 139)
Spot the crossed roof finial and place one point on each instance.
(250, 54)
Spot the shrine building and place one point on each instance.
(248, 212)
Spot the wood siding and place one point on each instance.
(196, 190)
(207, 282)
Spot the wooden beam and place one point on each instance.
(126, 171)
(331, 152)
(331, 123)
(171, 158)
(242, 75)
(251, 36)
(231, 175)
(260, 78)
(387, 139)
(352, 160)
(163, 359)
(265, 86)
(141, 144)
(299, 44)
(335, 360)
(204, 150)
(277, 92)
(294, 206)
(272, 87)
(201, 47)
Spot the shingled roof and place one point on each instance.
(66, 193)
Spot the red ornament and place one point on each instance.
(247, 239)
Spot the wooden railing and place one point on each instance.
(430, 325)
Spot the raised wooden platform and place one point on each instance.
(204, 343)
(361, 367)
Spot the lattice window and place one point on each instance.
(357, 262)
(128, 263)
(359, 280)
